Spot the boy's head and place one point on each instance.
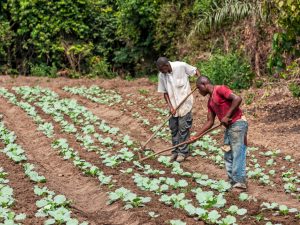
(203, 84)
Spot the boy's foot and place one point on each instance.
(180, 158)
(173, 157)
(241, 186)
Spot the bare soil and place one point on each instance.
(274, 124)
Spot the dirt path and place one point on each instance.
(61, 176)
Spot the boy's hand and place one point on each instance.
(225, 121)
(193, 138)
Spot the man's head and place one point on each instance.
(203, 85)
(163, 65)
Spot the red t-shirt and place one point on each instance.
(220, 104)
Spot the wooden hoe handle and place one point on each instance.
(181, 103)
(183, 143)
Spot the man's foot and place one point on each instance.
(229, 180)
(180, 158)
(241, 186)
(173, 157)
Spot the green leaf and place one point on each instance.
(41, 203)
(281, 3)
(49, 221)
(21, 216)
(243, 197)
(241, 212)
(60, 199)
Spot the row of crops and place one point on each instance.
(55, 208)
(78, 136)
(267, 167)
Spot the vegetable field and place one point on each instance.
(69, 156)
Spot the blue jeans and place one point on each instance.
(235, 159)
(180, 131)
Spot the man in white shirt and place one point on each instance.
(173, 82)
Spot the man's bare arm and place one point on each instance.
(167, 98)
(236, 101)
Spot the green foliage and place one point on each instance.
(6, 36)
(230, 69)
(63, 32)
(249, 98)
(172, 25)
(76, 52)
(153, 78)
(96, 37)
(258, 83)
(42, 70)
(166, 28)
(135, 20)
(143, 91)
(292, 71)
(295, 89)
(100, 68)
(202, 6)
(215, 14)
(288, 14)
(74, 74)
(43, 23)
(135, 17)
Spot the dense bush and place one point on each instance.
(295, 89)
(285, 46)
(42, 70)
(129, 35)
(230, 69)
(100, 68)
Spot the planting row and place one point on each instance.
(267, 170)
(51, 206)
(208, 214)
(7, 215)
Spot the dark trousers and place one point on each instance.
(180, 131)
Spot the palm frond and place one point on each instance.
(228, 12)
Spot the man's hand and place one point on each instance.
(225, 121)
(172, 111)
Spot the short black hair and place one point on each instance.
(162, 61)
(203, 80)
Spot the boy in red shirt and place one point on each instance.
(224, 104)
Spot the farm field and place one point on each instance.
(69, 156)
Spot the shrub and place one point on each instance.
(230, 69)
(153, 78)
(100, 68)
(43, 70)
(74, 74)
(295, 89)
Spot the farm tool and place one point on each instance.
(167, 119)
(183, 143)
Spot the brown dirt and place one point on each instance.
(61, 176)
(121, 120)
(23, 190)
(268, 129)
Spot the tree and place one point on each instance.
(285, 46)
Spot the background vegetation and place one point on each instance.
(231, 41)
